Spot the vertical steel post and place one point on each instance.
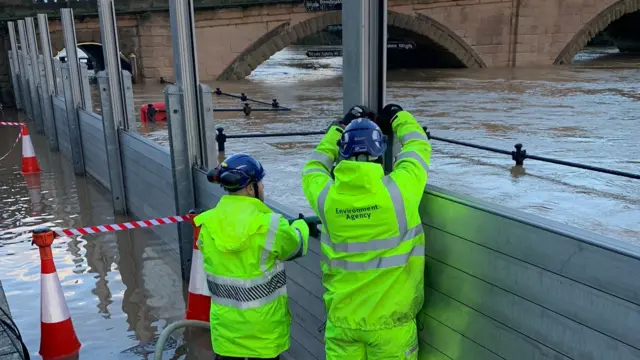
(182, 174)
(15, 64)
(364, 39)
(208, 128)
(48, 85)
(24, 74)
(72, 119)
(34, 82)
(112, 143)
(57, 70)
(72, 91)
(111, 54)
(86, 89)
(22, 33)
(70, 45)
(46, 105)
(185, 65)
(129, 106)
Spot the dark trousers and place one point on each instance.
(237, 358)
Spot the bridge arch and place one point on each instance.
(600, 22)
(285, 35)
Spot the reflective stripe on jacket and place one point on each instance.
(244, 244)
(372, 237)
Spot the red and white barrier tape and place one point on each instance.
(5, 123)
(12, 147)
(122, 226)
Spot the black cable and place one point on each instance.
(16, 333)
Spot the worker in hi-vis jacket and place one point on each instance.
(244, 244)
(372, 239)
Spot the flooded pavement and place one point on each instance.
(585, 113)
(124, 288)
(121, 288)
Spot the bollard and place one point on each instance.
(57, 336)
(246, 109)
(275, 104)
(519, 155)
(199, 300)
(221, 138)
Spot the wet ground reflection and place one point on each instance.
(134, 278)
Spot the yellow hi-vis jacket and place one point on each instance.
(372, 237)
(244, 244)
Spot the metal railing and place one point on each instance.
(519, 155)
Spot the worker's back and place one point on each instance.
(249, 310)
(373, 259)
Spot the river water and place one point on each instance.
(124, 288)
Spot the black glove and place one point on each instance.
(356, 112)
(386, 117)
(311, 221)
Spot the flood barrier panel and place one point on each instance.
(62, 126)
(148, 181)
(93, 146)
(503, 284)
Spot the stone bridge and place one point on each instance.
(236, 36)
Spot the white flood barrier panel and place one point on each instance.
(93, 147)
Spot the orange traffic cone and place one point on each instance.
(29, 161)
(57, 336)
(199, 300)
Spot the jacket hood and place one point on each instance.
(357, 176)
(232, 222)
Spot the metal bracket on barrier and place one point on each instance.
(182, 172)
(112, 145)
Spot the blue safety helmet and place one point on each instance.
(362, 137)
(237, 172)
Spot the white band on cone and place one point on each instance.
(198, 281)
(53, 307)
(27, 147)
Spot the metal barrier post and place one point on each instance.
(208, 129)
(72, 91)
(46, 106)
(186, 71)
(72, 118)
(129, 106)
(48, 85)
(182, 172)
(112, 144)
(24, 68)
(34, 82)
(57, 71)
(70, 45)
(15, 65)
(364, 39)
(87, 104)
(111, 53)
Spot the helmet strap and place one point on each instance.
(256, 190)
